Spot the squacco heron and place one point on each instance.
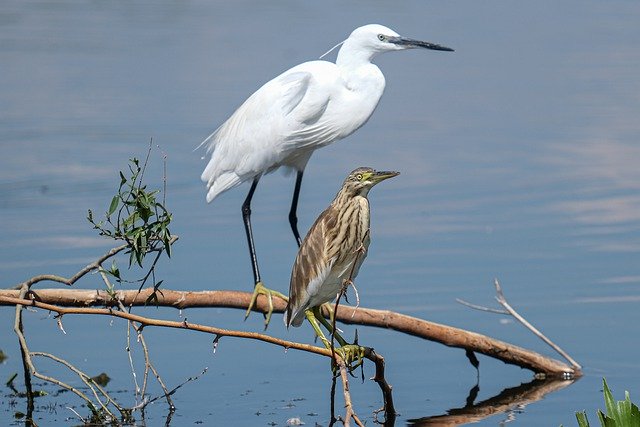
(332, 252)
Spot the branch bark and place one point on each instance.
(453, 337)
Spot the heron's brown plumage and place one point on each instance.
(334, 248)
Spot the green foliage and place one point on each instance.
(137, 217)
(622, 413)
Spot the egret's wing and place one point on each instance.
(311, 268)
(251, 141)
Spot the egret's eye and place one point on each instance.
(381, 37)
(359, 177)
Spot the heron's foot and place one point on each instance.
(329, 309)
(352, 354)
(261, 289)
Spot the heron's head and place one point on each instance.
(362, 179)
(378, 39)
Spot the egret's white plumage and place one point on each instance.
(306, 107)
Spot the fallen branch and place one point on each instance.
(447, 335)
(218, 332)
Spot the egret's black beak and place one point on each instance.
(411, 43)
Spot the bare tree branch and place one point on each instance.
(447, 335)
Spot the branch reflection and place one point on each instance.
(508, 400)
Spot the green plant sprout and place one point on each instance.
(136, 217)
(622, 413)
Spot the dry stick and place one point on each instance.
(30, 367)
(149, 365)
(447, 335)
(146, 321)
(85, 379)
(503, 302)
(70, 281)
(24, 350)
(349, 412)
(332, 403)
(387, 406)
(88, 268)
(481, 307)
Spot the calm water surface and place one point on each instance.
(519, 156)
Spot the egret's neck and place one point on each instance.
(360, 74)
(352, 55)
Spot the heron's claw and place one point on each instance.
(261, 289)
(351, 353)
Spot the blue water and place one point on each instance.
(519, 157)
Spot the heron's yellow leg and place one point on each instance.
(348, 352)
(261, 289)
(329, 326)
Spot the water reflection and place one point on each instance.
(509, 401)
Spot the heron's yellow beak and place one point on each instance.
(379, 176)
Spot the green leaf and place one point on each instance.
(113, 206)
(115, 271)
(606, 421)
(609, 402)
(582, 419)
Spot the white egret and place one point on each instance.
(307, 107)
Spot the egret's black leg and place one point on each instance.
(259, 287)
(246, 217)
(293, 217)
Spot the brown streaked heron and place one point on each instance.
(307, 107)
(333, 251)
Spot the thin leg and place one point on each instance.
(293, 217)
(311, 317)
(259, 288)
(246, 217)
(317, 312)
(348, 352)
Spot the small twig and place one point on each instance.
(138, 390)
(24, 351)
(87, 380)
(333, 400)
(173, 390)
(349, 412)
(481, 307)
(503, 302)
(77, 415)
(387, 396)
(70, 281)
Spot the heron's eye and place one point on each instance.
(359, 177)
(381, 37)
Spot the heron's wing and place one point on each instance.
(311, 268)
